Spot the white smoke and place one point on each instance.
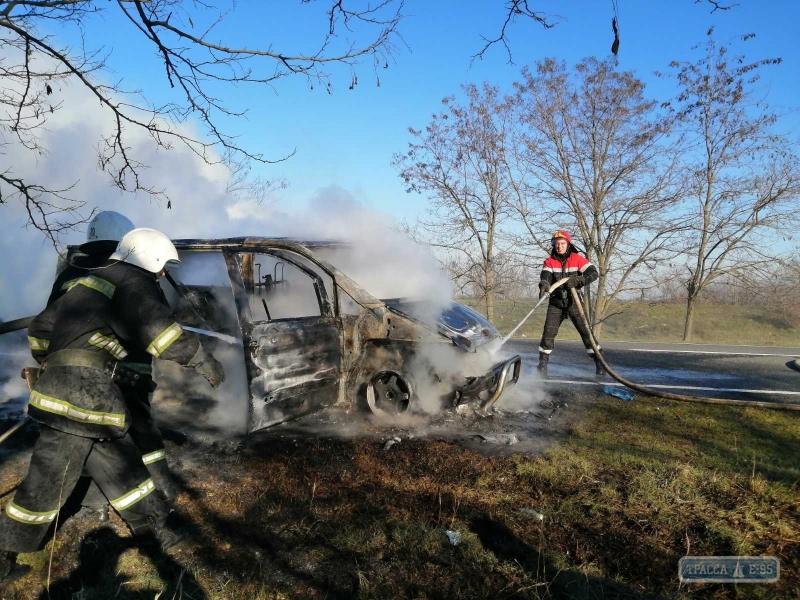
(14, 355)
(379, 256)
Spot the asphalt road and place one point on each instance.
(739, 372)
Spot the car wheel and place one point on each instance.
(389, 394)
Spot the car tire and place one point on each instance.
(389, 393)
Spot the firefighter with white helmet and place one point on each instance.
(82, 340)
(103, 235)
(107, 226)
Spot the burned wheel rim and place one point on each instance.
(389, 393)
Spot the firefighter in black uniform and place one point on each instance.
(103, 234)
(83, 338)
(564, 261)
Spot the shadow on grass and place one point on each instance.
(561, 584)
(277, 556)
(98, 575)
(776, 321)
(378, 539)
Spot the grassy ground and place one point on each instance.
(642, 321)
(632, 488)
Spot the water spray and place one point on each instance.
(552, 288)
(220, 336)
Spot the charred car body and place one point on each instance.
(313, 338)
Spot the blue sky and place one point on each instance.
(348, 138)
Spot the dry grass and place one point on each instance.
(634, 487)
(645, 322)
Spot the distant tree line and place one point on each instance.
(692, 194)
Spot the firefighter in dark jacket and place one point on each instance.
(103, 234)
(83, 338)
(564, 261)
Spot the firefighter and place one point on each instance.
(103, 234)
(564, 261)
(83, 339)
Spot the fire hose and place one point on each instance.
(667, 395)
(15, 325)
(29, 374)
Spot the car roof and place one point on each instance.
(256, 241)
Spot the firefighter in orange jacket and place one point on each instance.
(564, 261)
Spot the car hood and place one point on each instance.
(465, 327)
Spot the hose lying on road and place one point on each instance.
(645, 390)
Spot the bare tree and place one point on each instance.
(457, 161)
(744, 176)
(196, 65)
(533, 11)
(598, 160)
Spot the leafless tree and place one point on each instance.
(668, 287)
(197, 64)
(535, 11)
(598, 160)
(744, 176)
(457, 161)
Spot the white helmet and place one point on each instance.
(146, 248)
(108, 226)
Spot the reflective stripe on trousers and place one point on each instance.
(152, 457)
(132, 497)
(29, 517)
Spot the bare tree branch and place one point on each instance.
(598, 160)
(513, 10)
(744, 179)
(457, 161)
(716, 5)
(31, 64)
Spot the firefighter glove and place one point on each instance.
(542, 291)
(577, 281)
(212, 370)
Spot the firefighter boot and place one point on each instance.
(168, 491)
(99, 513)
(9, 569)
(171, 534)
(149, 532)
(599, 370)
(171, 540)
(542, 367)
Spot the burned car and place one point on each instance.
(312, 338)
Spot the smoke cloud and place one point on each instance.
(378, 255)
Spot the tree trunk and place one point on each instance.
(490, 305)
(596, 329)
(488, 280)
(597, 307)
(688, 328)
